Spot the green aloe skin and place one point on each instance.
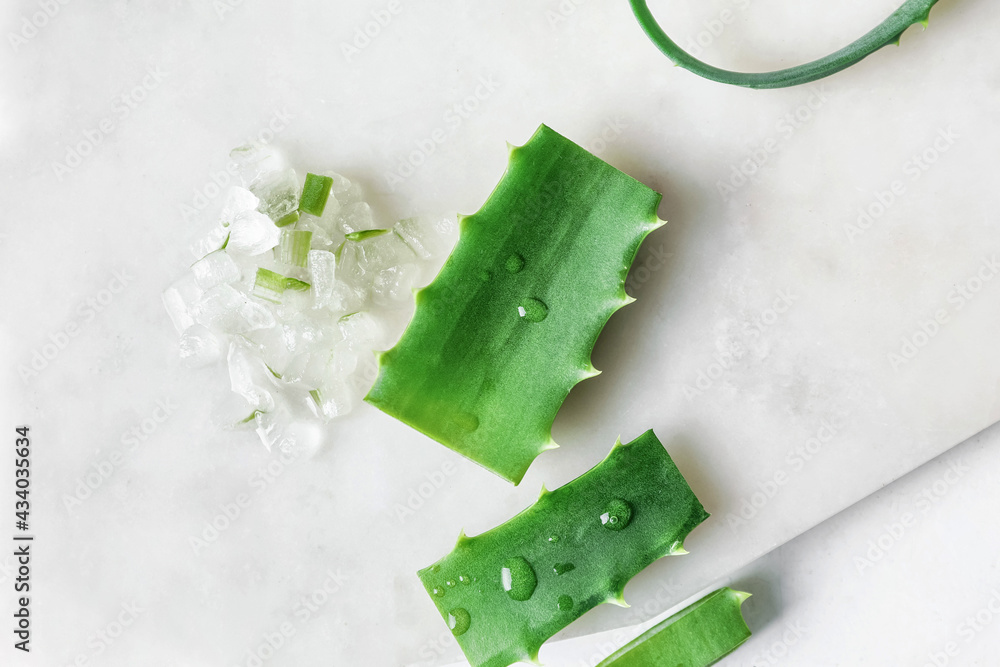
(505, 592)
(506, 329)
(698, 636)
(887, 32)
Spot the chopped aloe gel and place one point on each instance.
(364, 260)
(393, 286)
(356, 217)
(237, 200)
(323, 234)
(267, 175)
(226, 310)
(199, 347)
(210, 240)
(315, 193)
(252, 233)
(294, 247)
(214, 269)
(335, 399)
(323, 266)
(296, 328)
(269, 285)
(281, 430)
(428, 237)
(362, 331)
(248, 376)
(180, 300)
(279, 197)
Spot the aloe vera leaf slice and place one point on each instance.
(506, 329)
(508, 590)
(699, 635)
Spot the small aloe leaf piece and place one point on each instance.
(506, 329)
(886, 33)
(294, 246)
(315, 193)
(506, 591)
(699, 635)
(287, 219)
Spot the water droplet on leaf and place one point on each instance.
(464, 578)
(518, 578)
(514, 263)
(533, 310)
(449, 583)
(565, 603)
(617, 514)
(459, 621)
(563, 568)
(437, 591)
(466, 421)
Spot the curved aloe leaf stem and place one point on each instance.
(887, 32)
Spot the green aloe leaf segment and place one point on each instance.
(506, 591)
(697, 636)
(506, 329)
(887, 32)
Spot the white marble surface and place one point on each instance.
(764, 323)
